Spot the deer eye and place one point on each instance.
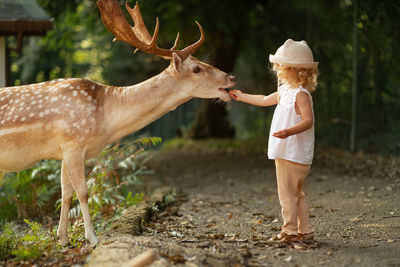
(196, 69)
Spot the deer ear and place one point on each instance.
(176, 62)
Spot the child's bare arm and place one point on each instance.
(303, 104)
(257, 100)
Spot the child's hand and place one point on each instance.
(236, 94)
(281, 134)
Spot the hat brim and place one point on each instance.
(283, 61)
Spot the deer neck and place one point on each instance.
(128, 109)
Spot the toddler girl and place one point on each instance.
(291, 140)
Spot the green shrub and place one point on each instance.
(113, 177)
(8, 241)
(27, 244)
(30, 193)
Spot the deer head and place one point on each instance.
(200, 79)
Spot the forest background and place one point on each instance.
(239, 37)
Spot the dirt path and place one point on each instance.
(231, 210)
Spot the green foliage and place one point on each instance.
(113, 177)
(8, 241)
(28, 244)
(30, 193)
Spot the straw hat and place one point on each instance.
(294, 54)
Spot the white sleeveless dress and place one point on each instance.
(299, 147)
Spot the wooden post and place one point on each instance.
(2, 61)
(354, 82)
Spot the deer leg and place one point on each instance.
(67, 192)
(74, 163)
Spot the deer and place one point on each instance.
(73, 119)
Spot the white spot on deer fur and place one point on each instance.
(84, 93)
(34, 102)
(74, 93)
(41, 114)
(83, 122)
(92, 87)
(54, 99)
(40, 106)
(46, 97)
(78, 87)
(28, 108)
(90, 98)
(31, 114)
(2, 122)
(46, 111)
(23, 119)
(64, 97)
(11, 101)
(67, 105)
(65, 85)
(53, 81)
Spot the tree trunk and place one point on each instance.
(211, 120)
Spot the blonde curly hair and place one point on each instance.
(296, 77)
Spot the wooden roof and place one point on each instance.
(24, 17)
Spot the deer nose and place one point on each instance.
(231, 78)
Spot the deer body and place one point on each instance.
(73, 119)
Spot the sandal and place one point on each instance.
(283, 238)
(305, 238)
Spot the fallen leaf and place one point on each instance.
(288, 259)
(280, 253)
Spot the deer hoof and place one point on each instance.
(64, 241)
(92, 239)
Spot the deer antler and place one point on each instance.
(138, 35)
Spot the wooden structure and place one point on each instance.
(19, 18)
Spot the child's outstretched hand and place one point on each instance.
(282, 134)
(236, 94)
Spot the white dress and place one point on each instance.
(299, 147)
